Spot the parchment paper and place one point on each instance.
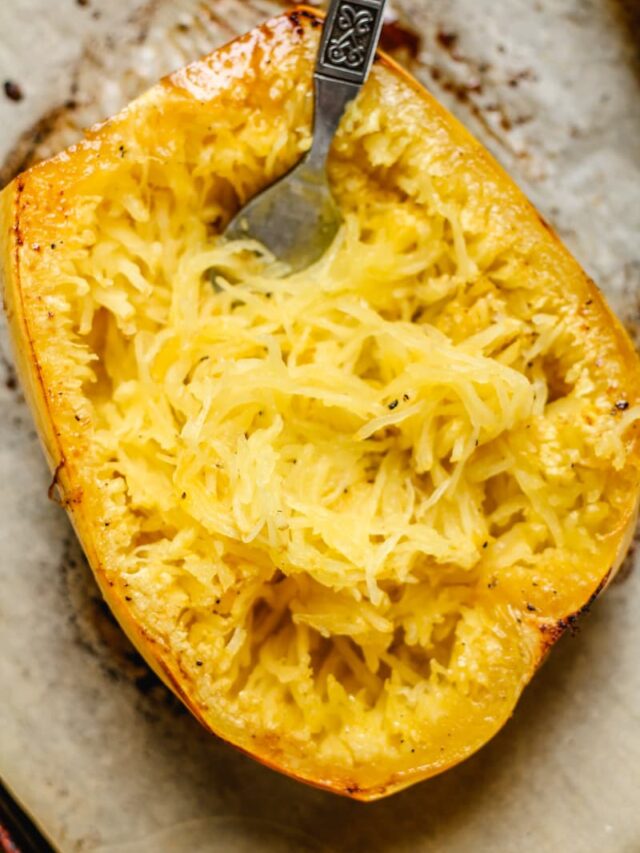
(93, 746)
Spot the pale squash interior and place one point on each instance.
(345, 499)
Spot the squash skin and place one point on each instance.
(23, 223)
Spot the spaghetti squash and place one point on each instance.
(343, 512)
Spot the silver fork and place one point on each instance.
(297, 217)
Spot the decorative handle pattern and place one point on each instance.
(349, 40)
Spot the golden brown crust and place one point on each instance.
(25, 229)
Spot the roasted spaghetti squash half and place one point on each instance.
(343, 513)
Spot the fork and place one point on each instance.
(296, 217)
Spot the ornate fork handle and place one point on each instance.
(349, 40)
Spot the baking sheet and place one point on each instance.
(98, 751)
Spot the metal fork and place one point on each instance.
(297, 217)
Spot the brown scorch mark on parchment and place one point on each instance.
(9, 376)
(12, 90)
